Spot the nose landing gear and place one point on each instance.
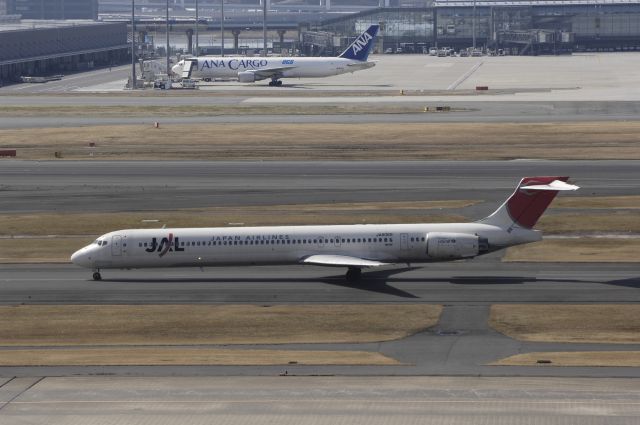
(97, 275)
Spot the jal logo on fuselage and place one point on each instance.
(361, 42)
(165, 245)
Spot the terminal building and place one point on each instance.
(521, 27)
(40, 48)
(52, 9)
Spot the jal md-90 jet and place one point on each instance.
(251, 69)
(355, 247)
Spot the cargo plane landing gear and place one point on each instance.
(97, 275)
(354, 274)
(275, 83)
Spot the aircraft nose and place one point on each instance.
(82, 257)
(177, 69)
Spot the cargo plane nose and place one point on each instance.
(177, 68)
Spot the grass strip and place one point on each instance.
(600, 221)
(579, 250)
(328, 141)
(64, 325)
(600, 323)
(598, 202)
(43, 224)
(162, 356)
(156, 111)
(574, 358)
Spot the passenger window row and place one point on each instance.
(286, 242)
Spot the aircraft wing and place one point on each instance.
(340, 261)
(263, 73)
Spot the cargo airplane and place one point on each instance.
(355, 247)
(251, 69)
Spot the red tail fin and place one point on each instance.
(529, 201)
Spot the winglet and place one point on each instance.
(361, 47)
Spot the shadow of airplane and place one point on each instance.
(378, 281)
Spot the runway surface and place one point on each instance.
(484, 280)
(460, 344)
(84, 186)
(319, 401)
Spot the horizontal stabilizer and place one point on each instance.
(340, 261)
(554, 185)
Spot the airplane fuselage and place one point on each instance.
(210, 67)
(388, 243)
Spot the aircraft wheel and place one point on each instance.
(278, 83)
(97, 276)
(354, 274)
(271, 83)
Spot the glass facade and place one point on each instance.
(54, 9)
(411, 28)
(589, 24)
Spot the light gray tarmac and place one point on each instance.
(484, 280)
(107, 186)
(318, 401)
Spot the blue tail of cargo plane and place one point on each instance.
(361, 47)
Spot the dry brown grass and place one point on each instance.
(575, 358)
(598, 202)
(415, 141)
(40, 250)
(152, 356)
(36, 325)
(608, 222)
(339, 213)
(600, 323)
(208, 110)
(580, 250)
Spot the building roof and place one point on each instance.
(470, 3)
(34, 24)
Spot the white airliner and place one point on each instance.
(251, 69)
(355, 247)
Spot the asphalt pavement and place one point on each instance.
(104, 186)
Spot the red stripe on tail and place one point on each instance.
(526, 206)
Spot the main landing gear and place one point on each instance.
(275, 83)
(96, 275)
(354, 274)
